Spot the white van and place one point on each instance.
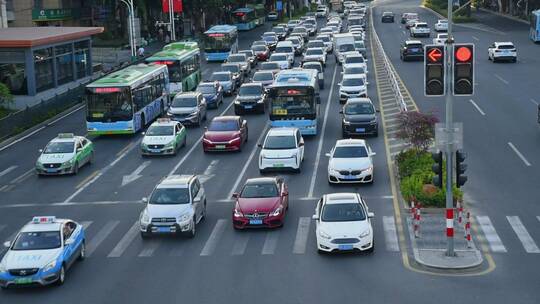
(286, 47)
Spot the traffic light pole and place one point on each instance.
(449, 130)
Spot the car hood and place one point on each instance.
(349, 164)
(250, 205)
(167, 210)
(220, 136)
(182, 110)
(264, 82)
(16, 259)
(157, 140)
(344, 229)
(226, 83)
(360, 117)
(209, 96)
(248, 97)
(353, 88)
(313, 57)
(55, 158)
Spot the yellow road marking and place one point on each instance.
(87, 179)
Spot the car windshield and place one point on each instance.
(299, 30)
(38, 240)
(355, 59)
(350, 152)
(325, 38)
(270, 39)
(59, 147)
(231, 68)
(262, 76)
(359, 44)
(313, 66)
(259, 190)
(236, 58)
(187, 102)
(506, 47)
(259, 48)
(270, 66)
(223, 125)
(206, 89)
(353, 82)
(284, 49)
(314, 52)
(250, 90)
(346, 212)
(414, 46)
(387, 14)
(421, 25)
(259, 42)
(280, 142)
(357, 108)
(160, 131)
(278, 29)
(354, 70)
(346, 48)
(169, 196)
(278, 58)
(220, 77)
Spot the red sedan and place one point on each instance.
(225, 133)
(263, 202)
(262, 52)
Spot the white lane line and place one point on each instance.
(86, 224)
(214, 238)
(66, 115)
(527, 163)
(321, 136)
(128, 149)
(119, 249)
(246, 165)
(270, 243)
(534, 101)
(301, 235)
(477, 107)
(490, 234)
(195, 145)
(149, 248)
(390, 234)
(208, 173)
(7, 170)
(538, 218)
(23, 176)
(523, 235)
(240, 243)
(501, 79)
(100, 237)
(475, 38)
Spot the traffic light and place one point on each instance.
(437, 169)
(434, 72)
(460, 168)
(463, 61)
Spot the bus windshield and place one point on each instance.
(111, 106)
(217, 43)
(292, 102)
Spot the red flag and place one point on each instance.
(177, 5)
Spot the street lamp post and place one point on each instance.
(449, 130)
(171, 18)
(131, 27)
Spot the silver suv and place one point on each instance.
(177, 204)
(188, 108)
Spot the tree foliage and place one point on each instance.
(417, 129)
(5, 95)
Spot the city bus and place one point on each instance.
(244, 18)
(125, 101)
(294, 100)
(534, 32)
(260, 13)
(219, 42)
(183, 60)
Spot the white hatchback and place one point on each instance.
(350, 162)
(283, 148)
(343, 223)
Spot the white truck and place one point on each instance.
(343, 44)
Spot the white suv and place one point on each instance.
(352, 86)
(283, 148)
(177, 204)
(502, 51)
(420, 29)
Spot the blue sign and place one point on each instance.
(279, 6)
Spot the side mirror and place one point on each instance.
(68, 242)
(339, 84)
(328, 154)
(244, 122)
(144, 200)
(367, 82)
(285, 193)
(235, 195)
(197, 199)
(79, 150)
(371, 215)
(373, 153)
(206, 128)
(259, 145)
(301, 144)
(340, 111)
(7, 244)
(377, 110)
(315, 217)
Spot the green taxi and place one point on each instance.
(163, 137)
(65, 154)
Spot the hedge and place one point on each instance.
(440, 6)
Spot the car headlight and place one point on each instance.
(260, 101)
(169, 113)
(49, 266)
(68, 163)
(346, 122)
(294, 155)
(369, 169)
(145, 219)
(324, 235)
(277, 211)
(332, 171)
(170, 144)
(193, 114)
(238, 213)
(236, 102)
(365, 233)
(184, 217)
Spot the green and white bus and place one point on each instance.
(184, 62)
(125, 101)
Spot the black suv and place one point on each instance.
(412, 49)
(387, 17)
(251, 97)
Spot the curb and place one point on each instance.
(433, 11)
(504, 16)
(459, 267)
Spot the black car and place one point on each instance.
(412, 49)
(387, 17)
(359, 117)
(251, 98)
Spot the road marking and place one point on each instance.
(195, 145)
(301, 235)
(126, 150)
(119, 249)
(23, 176)
(100, 237)
(321, 137)
(270, 243)
(66, 115)
(2, 227)
(534, 101)
(87, 179)
(538, 218)
(136, 174)
(519, 154)
(4, 188)
(523, 235)
(477, 107)
(475, 38)
(214, 238)
(149, 248)
(500, 78)
(490, 233)
(390, 234)
(404, 33)
(86, 224)
(240, 243)
(22, 138)
(7, 170)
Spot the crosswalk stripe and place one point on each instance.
(86, 224)
(490, 234)
(240, 244)
(100, 237)
(523, 235)
(149, 247)
(301, 235)
(119, 249)
(270, 243)
(390, 234)
(212, 241)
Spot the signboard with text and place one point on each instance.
(177, 5)
(54, 14)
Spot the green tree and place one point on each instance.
(5, 96)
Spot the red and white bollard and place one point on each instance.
(468, 230)
(460, 212)
(450, 222)
(417, 221)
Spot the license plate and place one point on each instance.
(51, 170)
(154, 150)
(248, 107)
(220, 146)
(255, 222)
(164, 229)
(349, 177)
(345, 247)
(278, 165)
(414, 50)
(360, 129)
(23, 281)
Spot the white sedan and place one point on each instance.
(282, 59)
(343, 223)
(441, 26)
(350, 162)
(283, 148)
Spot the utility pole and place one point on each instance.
(449, 130)
(131, 27)
(171, 18)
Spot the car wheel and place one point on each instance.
(205, 116)
(91, 159)
(191, 233)
(370, 250)
(320, 251)
(203, 216)
(82, 254)
(237, 112)
(61, 276)
(145, 235)
(75, 168)
(184, 142)
(514, 60)
(175, 150)
(198, 123)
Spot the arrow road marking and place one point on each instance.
(135, 174)
(208, 172)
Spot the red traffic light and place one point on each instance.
(463, 54)
(435, 55)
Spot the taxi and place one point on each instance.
(41, 252)
(65, 154)
(163, 137)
